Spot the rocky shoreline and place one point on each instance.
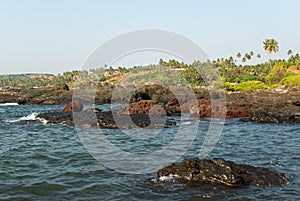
(265, 106)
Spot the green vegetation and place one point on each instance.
(291, 80)
(234, 76)
(245, 86)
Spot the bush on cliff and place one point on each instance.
(291, 80)
(277, 73)
(245, 86)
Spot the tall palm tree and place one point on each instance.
(244, 59)
(271, 45)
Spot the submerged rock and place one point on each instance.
(221, 172)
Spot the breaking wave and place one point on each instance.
(30, 117)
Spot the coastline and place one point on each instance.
(279, 105)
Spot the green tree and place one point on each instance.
(239, 55)
(271, 45)
(258, 56)
(289, 52)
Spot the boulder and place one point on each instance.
(73, 106)
(220, 172)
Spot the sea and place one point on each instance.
(41, 161)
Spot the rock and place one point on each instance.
(97, 118)
(139, 97)
(202, 108)
(262, 116)
(221, 172)
(63, 87)
(147, 107)
(235, 111)
(73, 106)
(296, 103)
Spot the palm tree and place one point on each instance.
(258, 56)
(251, 53)
(289, 52)
(244, 59)
(239, 55)
(271, 45)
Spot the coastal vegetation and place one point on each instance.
(235, 73)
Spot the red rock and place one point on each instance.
(73, 106)
(203, 108)
(147, 107)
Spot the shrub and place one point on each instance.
(230, 86)
(251, 85)
(291, 80)
(276, 74)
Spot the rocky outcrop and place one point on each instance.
(203, 108)
(266, 106)
(147, 107)
(262, 116)
(104, 119)
(220, 172)
(73, 106)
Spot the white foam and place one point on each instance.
(30, 117)
(169, 177)
(8, 104)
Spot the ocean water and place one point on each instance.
(39, 161)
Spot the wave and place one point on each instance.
(30, 117)
(8, 104)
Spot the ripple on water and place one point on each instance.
(39, 162)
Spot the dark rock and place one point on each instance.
(262, 116)
(139, 97)
(63, 87)
(221, 172)
(74, 106)
(296, 103)
(58, 118)
(95, 117)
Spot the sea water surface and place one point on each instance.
(49, 162)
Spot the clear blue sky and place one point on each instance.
(53, 36)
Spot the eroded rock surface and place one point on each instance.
(105, 119)
(221, 172)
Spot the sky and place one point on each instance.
(54, 36)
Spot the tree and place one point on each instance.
(271, 45)
(239, 55)
(244, 59)
(289, 52)
(251, 53)
(258, 56)
(247, 56)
